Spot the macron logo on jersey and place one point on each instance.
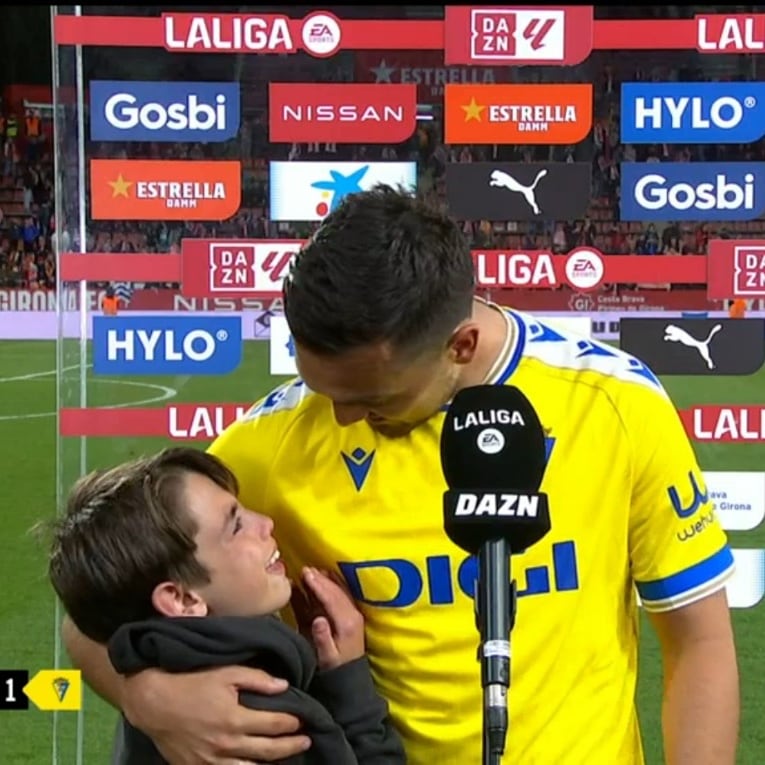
(358, 463)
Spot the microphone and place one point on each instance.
(493, 458)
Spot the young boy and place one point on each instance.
(165, 536)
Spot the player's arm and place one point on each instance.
(166, 707)
(92, 659)
(680, 563)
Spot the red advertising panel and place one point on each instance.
(341, 112)
(323, 34)
(736, 268)
(185, 422)
(235, 267)
(718, 423)
(584, 269)
(423, 68)
(730, 33)
(725, 423)
(529, 35)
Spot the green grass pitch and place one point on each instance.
(27, 494)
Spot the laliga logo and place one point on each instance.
(584, 269)
(321, 34)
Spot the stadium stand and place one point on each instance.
(28, 219)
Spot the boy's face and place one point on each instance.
(235, 545)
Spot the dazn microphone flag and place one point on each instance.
(493, 458)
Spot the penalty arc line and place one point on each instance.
(165, 393)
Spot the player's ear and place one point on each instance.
(171, 599)
(464, 342)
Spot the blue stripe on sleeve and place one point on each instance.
(687, 580)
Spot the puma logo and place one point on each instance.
(675, 334)
(504, 180)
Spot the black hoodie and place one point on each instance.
(341, 711)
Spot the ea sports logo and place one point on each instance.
(584, 269)
(321, 34)
(490, 441)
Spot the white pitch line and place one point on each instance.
(37, 375)
(165, 394)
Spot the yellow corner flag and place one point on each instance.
(56, 690)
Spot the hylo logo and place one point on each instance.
(725, 112)
(197, 345)
(166, 344)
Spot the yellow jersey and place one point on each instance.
(630, 514)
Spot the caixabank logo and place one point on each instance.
(690, 191)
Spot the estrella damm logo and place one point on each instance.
(149, 189)
(525, 114)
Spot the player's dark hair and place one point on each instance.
(126, 530)
(382, 267)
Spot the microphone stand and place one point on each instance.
(495, 605)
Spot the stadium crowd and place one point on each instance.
(28, 219)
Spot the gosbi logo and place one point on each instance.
(164, 190)
(503, 114)
(341, 112)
